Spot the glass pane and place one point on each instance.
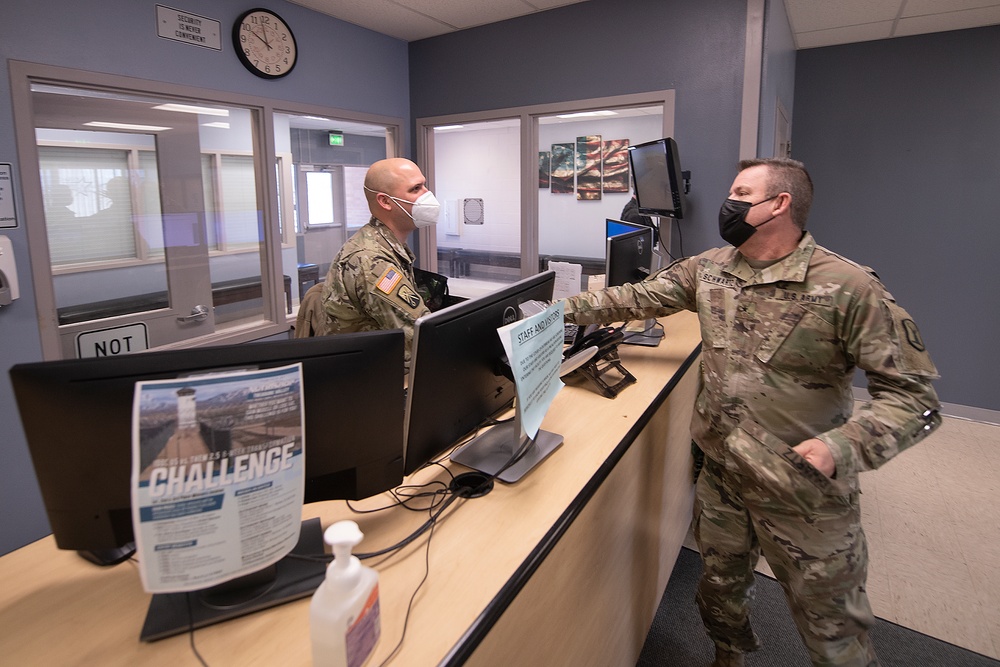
(239, 214)
(584, 179)
(88, 206)
(235, 221)
(324, 182)
(477, 180)
(148, 206)
(129, 182)
(209, 177)
(319, 194)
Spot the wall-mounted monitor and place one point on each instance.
(659, 182)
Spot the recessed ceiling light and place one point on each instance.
(127, 126)
(587, 114)
(191, 108)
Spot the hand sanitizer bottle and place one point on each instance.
(344, 623)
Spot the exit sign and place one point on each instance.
(336, 139)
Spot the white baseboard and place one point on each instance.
(950, 409)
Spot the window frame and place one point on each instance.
(23, 75)
(528, 117)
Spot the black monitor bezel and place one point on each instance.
(614, 257)
(86, 445)
(672, 180)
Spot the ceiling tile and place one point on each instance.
(551, 4)
(810, 15)
(465, 14)
(846, 35)
(924, 7)
(971, 18)
(388, 18)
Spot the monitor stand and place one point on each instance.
(645, 333)
(288, 579)
(491, 452)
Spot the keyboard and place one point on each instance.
(569, 333)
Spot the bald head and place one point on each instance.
(387, 175)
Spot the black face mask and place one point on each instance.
(733, 226)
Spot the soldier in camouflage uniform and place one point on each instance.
(370, 285)
(784, 324)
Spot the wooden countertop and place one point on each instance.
(57, 609)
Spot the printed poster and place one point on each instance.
(534, 346)
(218, 475)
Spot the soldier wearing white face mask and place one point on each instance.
(370, 285)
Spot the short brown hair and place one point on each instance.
(787, 175)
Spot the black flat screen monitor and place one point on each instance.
(656, 173)
(629, 257)
(458, 378)
(77, 416)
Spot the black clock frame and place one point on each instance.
(238, 29)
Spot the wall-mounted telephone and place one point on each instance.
(8, 273)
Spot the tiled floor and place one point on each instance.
(932, 517)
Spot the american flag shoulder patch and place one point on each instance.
(390, 278)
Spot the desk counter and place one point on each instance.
(566, 566)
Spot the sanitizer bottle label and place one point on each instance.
(364, 632)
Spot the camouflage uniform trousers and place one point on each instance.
(820, 559)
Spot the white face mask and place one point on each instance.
(425, 208)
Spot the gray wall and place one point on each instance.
(902, 140)
(340, 65)
(601, 48)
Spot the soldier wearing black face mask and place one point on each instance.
(785, 323)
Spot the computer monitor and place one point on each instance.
(629, 259)
(659, 182)
(629, 256)
(77, 416)
(458, 373)
(613, 227)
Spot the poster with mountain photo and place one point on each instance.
(218, 475)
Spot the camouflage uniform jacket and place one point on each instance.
(779, 350)
(370, 285)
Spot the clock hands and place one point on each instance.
(263, 39)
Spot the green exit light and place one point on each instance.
(336, 139)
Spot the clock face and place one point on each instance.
(264, 43)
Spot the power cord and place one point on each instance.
(409, 606)
(441, 499)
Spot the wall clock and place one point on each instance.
(264, 43)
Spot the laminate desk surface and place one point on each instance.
(485, 553)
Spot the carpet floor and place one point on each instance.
(677, 637)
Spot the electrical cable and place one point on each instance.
(446, 497)
(409, 606)
(194, 649)
(680, 239)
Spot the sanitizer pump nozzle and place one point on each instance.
(344, 621)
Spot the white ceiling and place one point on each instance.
(814, 22)
(827, 22)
